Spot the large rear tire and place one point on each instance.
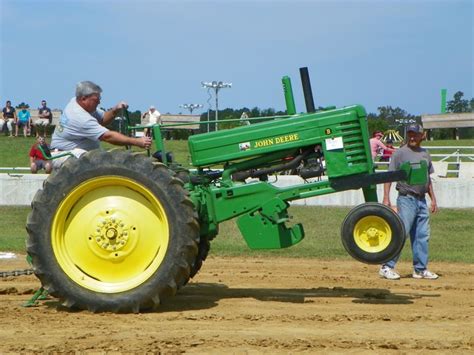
(373, 233)
(204, 245)
(112, 232)
(203, 250)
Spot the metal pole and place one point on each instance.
(216, 85)
(217, 109)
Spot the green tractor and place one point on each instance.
(121, 232)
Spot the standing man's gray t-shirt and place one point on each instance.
(405, 154)
(78, 128)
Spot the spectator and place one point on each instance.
(150, 118)
(154, 116)
(81, 126)
(244, 119)
(387, 153)
(376, 144)
(44, 120)
(37, 159)
(9, 118)
(24, 120)
(412, 206)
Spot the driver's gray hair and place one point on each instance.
(86, 88)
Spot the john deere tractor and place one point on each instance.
(121, 232)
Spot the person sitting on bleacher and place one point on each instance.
(82, 126)
(9, 118)
(45, 119)
(37, 159)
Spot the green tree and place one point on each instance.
(458, 104)
(376, 124)
(390, 118)
(255, 112)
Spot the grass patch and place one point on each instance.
(13, 232)
(451, 237)
(14, 151)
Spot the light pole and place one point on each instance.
(190, 107)
(216, 85)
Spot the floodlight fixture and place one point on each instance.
(216, 86)
(405, 122)
(190, 107)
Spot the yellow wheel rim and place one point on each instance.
(110, 234)
(372, 234)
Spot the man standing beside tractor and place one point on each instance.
(412, 206)
(81, 126)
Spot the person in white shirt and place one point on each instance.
(150, 118)
(82, 126)
(154, 116)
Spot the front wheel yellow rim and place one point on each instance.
(110, 234)
(372, 234)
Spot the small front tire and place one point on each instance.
(373, 233)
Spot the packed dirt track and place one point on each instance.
(259, 305)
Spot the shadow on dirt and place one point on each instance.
(198, 296)
(206, 295)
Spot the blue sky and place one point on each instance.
(374, 53)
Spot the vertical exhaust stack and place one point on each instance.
(289, 99)
(308, 94)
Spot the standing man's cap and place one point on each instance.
(152, 107)
(415, 128)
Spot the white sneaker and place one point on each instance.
(425, 274)
(388, 273)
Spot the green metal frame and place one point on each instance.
(40, 295)
(52, 157)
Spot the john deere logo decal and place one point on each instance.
(328, 131)
(277, 140)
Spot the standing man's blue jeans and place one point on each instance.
(415, 216)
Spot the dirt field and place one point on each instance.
(241, 305)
